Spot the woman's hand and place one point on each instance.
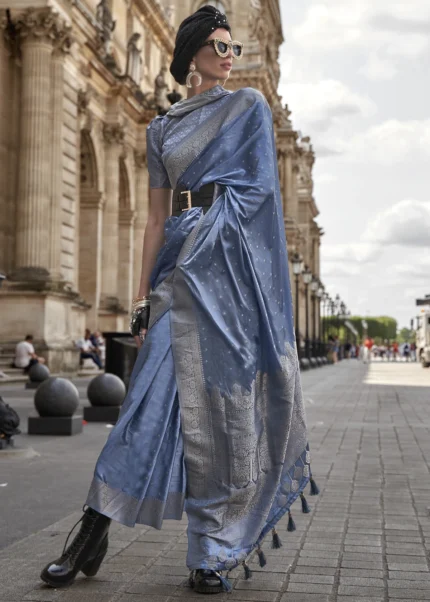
(139, 323)
(140, 338)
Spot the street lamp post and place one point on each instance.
(342, 318)
(307, 278)
(297, 262)
(337, 306)
(320, 295)
(332, 314)
(325, 307)
(314, 289)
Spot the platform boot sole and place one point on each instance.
(90, 568)
(208, 589)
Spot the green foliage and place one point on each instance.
(406, 335)
(379, 328)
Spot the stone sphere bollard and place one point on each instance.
(304, 363)
(56, 400)
(106, 390)
(38, 373)
(56, 397)
(106, 393)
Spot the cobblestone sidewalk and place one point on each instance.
(366, 539)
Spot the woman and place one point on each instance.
(213, 422)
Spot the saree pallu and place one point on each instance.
(214, 422)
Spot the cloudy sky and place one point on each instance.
(356, 76)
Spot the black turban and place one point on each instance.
(192, 32)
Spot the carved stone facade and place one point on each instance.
(80, 81)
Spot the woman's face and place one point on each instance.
(209, 64)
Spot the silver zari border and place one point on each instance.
(128, 510)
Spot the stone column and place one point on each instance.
(114, 137)
(90, 251)
(126, 256)
(38, 30)
(287, 183)
(57, 99)
(293, 198)
(7, 101)
(142, 205)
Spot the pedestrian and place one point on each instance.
(367, 349)
(389, 351)
(348, 348)
(25, 355)
(100, 345)
(213, 421)
(406, 352)
(413, 352)
(335, 349)
(395, 350)
(88, 350)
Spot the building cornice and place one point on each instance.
(276, 18)
(155, 18)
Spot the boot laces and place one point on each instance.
(82, 536)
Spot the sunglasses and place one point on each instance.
(222, 47)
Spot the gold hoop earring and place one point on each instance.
(193, 72)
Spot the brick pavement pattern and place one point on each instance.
(366, 539)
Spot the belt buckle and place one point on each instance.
(189, 205)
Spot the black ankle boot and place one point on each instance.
(85, 553)
(205, 581)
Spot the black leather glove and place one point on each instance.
(139, 320)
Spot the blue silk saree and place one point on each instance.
(213, 421)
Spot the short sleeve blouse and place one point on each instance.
(158, 177)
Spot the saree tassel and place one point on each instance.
(261, 557)
(305, 507)
(248, 572)
(225, 582)
(291, 523)
(314, 487)
(276, 540)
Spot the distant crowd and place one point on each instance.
(390, 351)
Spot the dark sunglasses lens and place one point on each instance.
(222, 47)
(237, 50)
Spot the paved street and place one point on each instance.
(367, 537)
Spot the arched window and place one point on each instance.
(217, 3)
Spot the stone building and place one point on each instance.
(80, 81)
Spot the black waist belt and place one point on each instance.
(186, 199)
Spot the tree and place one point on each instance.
(406, 335)
(379, 328)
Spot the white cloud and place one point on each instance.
(324, 103)
(330, 26)
(406, 223)
(388, 261)
(333, 271)
(419, 268)
(391, 142)
(377, 68)
(324, 178)
(357, 253)
(387, 31)
(401, 24)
